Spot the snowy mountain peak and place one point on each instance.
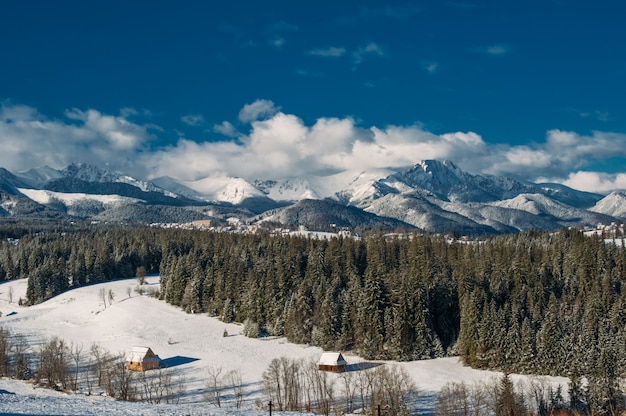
(89, 173)
(433, 195)
(223, 189)
(293, 189)
(613, 204)
(432, 166)
(36, 177)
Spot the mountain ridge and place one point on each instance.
(431, 195)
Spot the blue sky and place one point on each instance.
(529, 89)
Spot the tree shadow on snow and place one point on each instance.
(362, 366)
(176, 361)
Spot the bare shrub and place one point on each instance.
(53, 364)
(153, 292)
(154, 385)
(119, 380)
(459, 399)
(392, 388)
(294, 386)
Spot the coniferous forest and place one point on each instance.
(537, 302)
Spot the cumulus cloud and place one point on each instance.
(596, 181)
(284, 146)
(30, 139)
(277, 145)
(256, 110)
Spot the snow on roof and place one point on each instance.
(139, 354)
(332, 358)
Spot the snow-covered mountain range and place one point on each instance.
(432, 195)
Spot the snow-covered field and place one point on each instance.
(193, 343)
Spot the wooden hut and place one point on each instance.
(142, 359)
(333, 362)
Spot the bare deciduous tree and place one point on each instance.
(4, 352)
(21, 364)
(348, 390)
(76, 355)
(53, 364)
(235, 380)
(99, 359)
(155, 385)
(119, 380)
(214, 385)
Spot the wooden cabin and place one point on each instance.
(333, 362)
(142, 359)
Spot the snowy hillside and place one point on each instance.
(191, 343)
(46, 197)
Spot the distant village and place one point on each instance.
(235, 225)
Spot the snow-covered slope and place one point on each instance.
(193, 343)
(174, 187)
(46, 197)
(224, 189)
(293, 189)
(613, 204)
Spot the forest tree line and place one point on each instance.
(537, 302)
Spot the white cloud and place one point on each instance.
(430, 66)
(277, 145)
(597, 114)
(256, 110)
(595, 181)
(29, 139)
(226, 128)
(193, 120)
(371, 49)
(495, 50)
(278, 41)
(331, 51)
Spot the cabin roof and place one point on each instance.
(332, 358)
(141, 354)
